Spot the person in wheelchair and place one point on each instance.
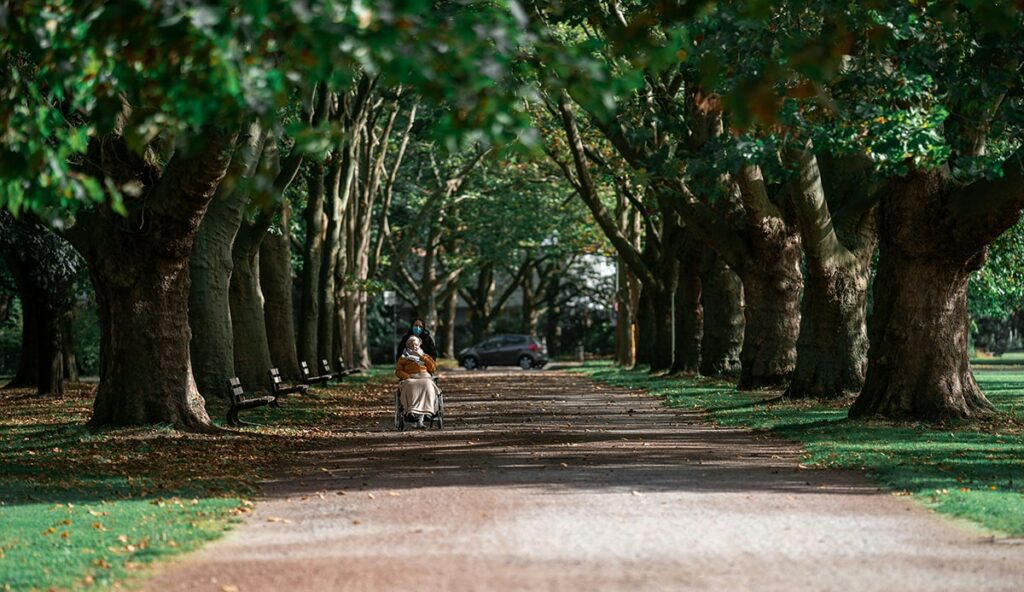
(417, 390)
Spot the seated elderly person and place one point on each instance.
(417, 391)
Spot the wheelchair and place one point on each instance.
(435, 419)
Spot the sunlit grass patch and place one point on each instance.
(970, 470)
(81, 509)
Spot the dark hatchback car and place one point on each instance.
(505, 350)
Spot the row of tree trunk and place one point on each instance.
(801, 247)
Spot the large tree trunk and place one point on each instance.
(833, 343)
(334, 208)
(145, 368)
(311, 261)
(689, 314)
(276, 284)
(142, 286)
(722, 298)
(771, 288)
(210, 269)
(252, 351)
(917, 361)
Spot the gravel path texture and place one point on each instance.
(543, 480)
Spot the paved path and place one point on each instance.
(544, 481)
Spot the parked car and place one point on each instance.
(505, 350)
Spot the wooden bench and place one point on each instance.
(240, 402)
(346, 370)
(325, 368)
(278, 389)
(308, 377)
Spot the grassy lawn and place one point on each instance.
(83, 510)
(973, 471)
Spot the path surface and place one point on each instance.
(544, 481)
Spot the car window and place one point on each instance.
(515, 340)
(491, 343)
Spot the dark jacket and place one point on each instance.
(427, 345)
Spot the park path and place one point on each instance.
(543, 480)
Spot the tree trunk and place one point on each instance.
(917, 361)
(833, 344)
(142, 286)
(252, 351)
(771, 288)
(276, 285)
(662, 306)
(210, 267)
(645, 328)
(311, 260)
(41, 363)
(722, 298)
(67, 339)
(334, 208)
(689, 314)
(145, 368)
(447, 324)
(625, 348)
(51, 353)
(31, 329)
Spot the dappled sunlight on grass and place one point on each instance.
(972, 470)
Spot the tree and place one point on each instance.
(44, 268)
(139, 152)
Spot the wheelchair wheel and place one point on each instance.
(399, 414)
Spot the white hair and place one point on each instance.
(411, 339)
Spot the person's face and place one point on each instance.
(417, 328)
(414, 343)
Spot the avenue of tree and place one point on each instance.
(797, 192)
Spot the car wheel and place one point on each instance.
(469, 363)
(526, 362)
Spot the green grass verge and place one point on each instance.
(84, 510)
(973, 470)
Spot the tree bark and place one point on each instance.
(689, 313)
(450, 303)
(918, 365)
(210, 269)
(311, 260)
(661, 304)
(142, 289)
(27, 374)
(334, 208)
(251, 348)
(722, 298)
(832, 347)
(67, 337)
(771, 287)
(276, 283)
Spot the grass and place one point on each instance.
(969, 470)
(85, 510)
